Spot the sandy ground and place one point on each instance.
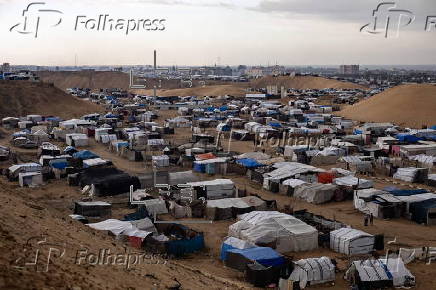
(26, 213)
(407, 105)
(20, 98)
(304, 82)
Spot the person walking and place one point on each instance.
(371, 219)
(365, 220)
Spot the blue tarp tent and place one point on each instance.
(180, 248)
(357, 132)
(249, 163)
(419, 210)
(85, 155)
(198, 167)
(262, 255)
(275, 125)
(407, 138)
(223, 108)
(59, 164)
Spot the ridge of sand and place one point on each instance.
(405, 105)
(19, 98)
(304, 82)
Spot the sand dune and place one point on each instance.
(18, 98)
(214, 90)
(86, 79)
(304, 82)
(406, 105)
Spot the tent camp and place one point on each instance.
(316, 193)
(282, 232)
(351, 242)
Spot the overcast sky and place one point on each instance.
(228, 32)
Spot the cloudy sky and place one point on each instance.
(228, 32)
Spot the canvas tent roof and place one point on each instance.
(313, 270)
(316, 193)
(351, 241)
(285, 231)
(354, 181)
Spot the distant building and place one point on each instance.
(349, 69)
(254, 72)
(6, 67)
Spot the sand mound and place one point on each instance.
(406, 105)
(86, 79)
(19, 98)
(304, 82)
(213, 90)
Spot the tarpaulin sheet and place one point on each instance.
(262, 255)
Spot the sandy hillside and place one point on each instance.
(304, 82)
(212, 90)
(18, 98)
(86, 79)
(406, 105)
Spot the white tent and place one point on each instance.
(400, 274)
(351, 242)
(351, 181)
(285, 232)
(316, 193)
(312, 270)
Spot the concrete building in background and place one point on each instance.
(6, 67)
(349, 69)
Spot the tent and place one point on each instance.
(229, 208)
(249, 163)
(351, 181)
(240, 258)
(351, 242)
(369, 274)
(283, 232)
(310, 271)
(316, 193)
(231, 243)
(84, 155)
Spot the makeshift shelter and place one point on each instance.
(311, 272)
(13, 172)
(378, 203)
(107, 181)
(282, 232)
(412, 174)
(229, 208)
(213, 189)
(353, 182)
(30, 179)
(351, 242)
(316, 193)
(239, 258)
(369, 274)
(231, 243)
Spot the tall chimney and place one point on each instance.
(155, 60)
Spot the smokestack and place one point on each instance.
(155, 59)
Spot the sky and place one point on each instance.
(223, 32)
